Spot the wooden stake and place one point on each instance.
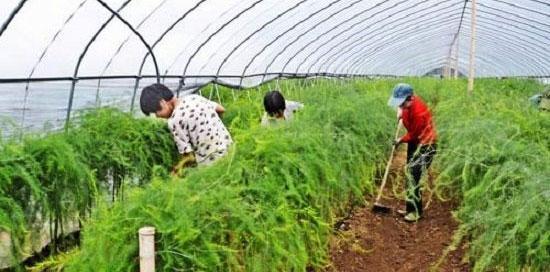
(471, 72)
(147, 249)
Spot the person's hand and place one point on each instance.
(175, 172)
(397, 142)
(186, 161)
(220, 110)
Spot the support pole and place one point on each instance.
(147, 249)
(456, 56)
(97, 93)
(132, 103)
(448, 67)
(471, 72)
(70, 105)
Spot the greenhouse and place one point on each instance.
(268, 135)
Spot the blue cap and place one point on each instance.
(400, 93)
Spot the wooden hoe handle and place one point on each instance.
(388, 164)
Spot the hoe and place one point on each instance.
(378, 207)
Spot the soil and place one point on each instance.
(368, 241)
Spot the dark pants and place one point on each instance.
(419, 159)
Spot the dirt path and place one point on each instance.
(374, 242)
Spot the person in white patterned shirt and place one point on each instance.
(194, 121)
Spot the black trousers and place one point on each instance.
(419, 159)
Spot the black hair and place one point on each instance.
(274, 103)
(152, 95)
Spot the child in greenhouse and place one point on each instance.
(194, 121)
(277, 108)
(421, 144)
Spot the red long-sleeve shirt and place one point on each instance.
(417, 119)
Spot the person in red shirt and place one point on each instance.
(421, 143)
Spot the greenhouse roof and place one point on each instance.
(62, 54)
(68, 39)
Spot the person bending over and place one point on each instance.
(421, 143)
(194, 121)
(277, 108)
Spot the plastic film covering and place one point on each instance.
(61, 55)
